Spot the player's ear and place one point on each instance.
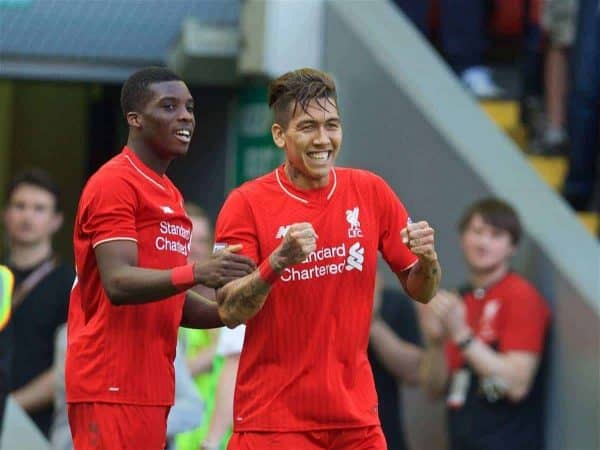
(134, 119)
(278, 135)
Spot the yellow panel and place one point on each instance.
(552, 169)
(503, 113)
(591, 221)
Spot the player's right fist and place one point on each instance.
(222, 267)
(299, 241)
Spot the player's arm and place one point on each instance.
(125, 283)
(241, 299)
(422, 280)
(200, 312)
(38, 393)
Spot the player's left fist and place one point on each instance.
(419, 237)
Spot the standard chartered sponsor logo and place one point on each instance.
(327, 261)
(356, 258)
(167, 240)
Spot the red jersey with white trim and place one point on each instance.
(124, 354)
(509, 316)
(304, 364)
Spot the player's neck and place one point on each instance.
(485, 279)
(23, 256)
(301, 181)
(148, 156)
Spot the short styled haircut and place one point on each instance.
(38, 178)
(299, 87)
(135, 92)
(494, 212)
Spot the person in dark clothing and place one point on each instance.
(6, 286)
(395, 357)
(42, 284)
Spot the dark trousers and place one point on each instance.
(584, 107)
(462, 28)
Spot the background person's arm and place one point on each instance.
(222, 418)
(511, 371)
(38, 393)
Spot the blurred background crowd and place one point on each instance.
(450, 101)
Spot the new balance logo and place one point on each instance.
(282, 231)
(167, 209)
(356, 257)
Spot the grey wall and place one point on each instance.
(201, 174)
(406, 118)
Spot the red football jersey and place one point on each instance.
(509, 316)
(304, 363)
(124, 354)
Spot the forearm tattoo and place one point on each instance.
(245, 298)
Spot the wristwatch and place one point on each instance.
(465, 342)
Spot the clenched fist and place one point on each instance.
(299, 241)
(223, 267)
(419, 237)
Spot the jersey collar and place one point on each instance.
(320, 195)
(145, 171)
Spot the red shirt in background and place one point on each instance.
(509, 316)
(304, 364)
(124, 354)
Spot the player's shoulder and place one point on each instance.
(115, 173)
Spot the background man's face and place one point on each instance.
(201, 243)
(30, 216)
(485, 247)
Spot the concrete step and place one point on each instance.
(506, 115)
(591, 221)
(552, 169)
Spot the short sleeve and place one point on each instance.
(235, 225)
(231, 341)
(109, 213)
(393, 218)
(525, 322)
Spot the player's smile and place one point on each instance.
(184, 134)
(311, 140)
(169, 117)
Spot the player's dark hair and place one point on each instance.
(494, 212)
(135, 92)
(38, 178)
(300, 87)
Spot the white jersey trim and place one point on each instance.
(410, 266)
(143, 174)
(300, 199)
(113, 239)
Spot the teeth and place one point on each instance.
(319, 155)
(185, 133)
